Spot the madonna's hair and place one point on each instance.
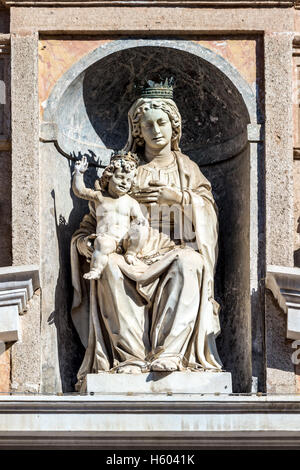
(139, 107)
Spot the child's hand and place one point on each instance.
(130, 259)
(81, 165)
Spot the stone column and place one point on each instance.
(279, 199)
(26, 373)
(25, 149)
(279, 148)
(5, 179)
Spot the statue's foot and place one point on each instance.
(167, 364)
(92, 275)
(129, 369)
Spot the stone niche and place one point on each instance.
(87, 113)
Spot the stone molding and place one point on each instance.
(156, 20)
(284, 283)
(255, 133)
(150, 422)
(17, 286)
(155, 3)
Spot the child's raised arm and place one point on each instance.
(78, 185)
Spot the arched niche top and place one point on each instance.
(88, 105)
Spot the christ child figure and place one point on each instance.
(120, 221)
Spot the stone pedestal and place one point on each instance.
(159, 382)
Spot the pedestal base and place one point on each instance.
(159, 382)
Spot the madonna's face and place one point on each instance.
(156, 128)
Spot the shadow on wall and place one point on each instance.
(5, 210)
(297, 252)
(231, 185)
(212, 110)
(70, 350)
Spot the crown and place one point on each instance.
(164, 89)
(125, 156)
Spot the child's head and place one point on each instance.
(118, 177)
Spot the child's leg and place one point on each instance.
(103, 246)
(137, 237)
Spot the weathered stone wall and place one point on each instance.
(25, 156)
(279, 197)
(25, 190)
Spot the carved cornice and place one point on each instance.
(17, 286)
(4, 43)
(284, 283)
(155, 3)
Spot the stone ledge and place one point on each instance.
(197, 422)
(284, 283)
(154, 3)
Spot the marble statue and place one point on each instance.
(158, 314)
(120, 220)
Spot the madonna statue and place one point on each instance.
(160, 314)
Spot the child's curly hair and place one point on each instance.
(128, 161)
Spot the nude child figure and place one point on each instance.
(120, 221)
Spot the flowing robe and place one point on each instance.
(134, 315)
